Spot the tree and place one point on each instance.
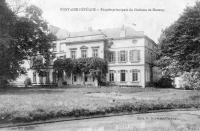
(20, 39)
(18, 6)
(9, 64)
(180, 42)
(97, 67)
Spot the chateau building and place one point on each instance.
(130, 56)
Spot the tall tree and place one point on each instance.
(20, 39)
(9, 64)
(180, 43)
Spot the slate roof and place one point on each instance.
(108, 33)
(58, 32)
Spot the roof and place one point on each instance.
(116, 32)
(58, 32)
(84, 33)
(109, 33)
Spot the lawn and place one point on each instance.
(33, 104)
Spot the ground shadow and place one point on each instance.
(22, 91)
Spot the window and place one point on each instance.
(111, 76)
(95, 52)
(54, 77)
(47, 78)
(41, 80)
(62, 57)
(34, 77)
(74, 78)
(73, 54)
(122, 75)
(122, 56)
(135, 75)
(111, 56)
(83, 53)
(62, 47)
(134, 55)
(54, 46)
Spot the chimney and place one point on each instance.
(123, 31)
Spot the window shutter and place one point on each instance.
(134, 55)
(114, 56)
(131, 56)
(138, 55)
(118, 56)
(126, 56)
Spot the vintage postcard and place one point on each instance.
(99, 65)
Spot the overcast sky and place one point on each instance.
(151, 22)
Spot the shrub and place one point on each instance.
(191, 80)
(3, 83)
(27, 82)
(64, 83)
(164, 82)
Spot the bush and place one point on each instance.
(191, 80)
(3, 83)
(64, 83)
(164, 82)
(27, 82)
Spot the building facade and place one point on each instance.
(130, 56)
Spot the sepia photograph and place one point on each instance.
(99, 65)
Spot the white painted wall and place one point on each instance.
(128, 69)
(99, 44)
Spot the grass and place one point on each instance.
(33, 104)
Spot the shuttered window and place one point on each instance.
(135, 75)
(83, 53)
(95, 52)
(123, 56)
(73, 54)
(123, 75)
(134, 55)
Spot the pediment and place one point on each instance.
(83, 47)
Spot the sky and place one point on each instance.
(151, 22)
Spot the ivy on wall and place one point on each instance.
(96, 67)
